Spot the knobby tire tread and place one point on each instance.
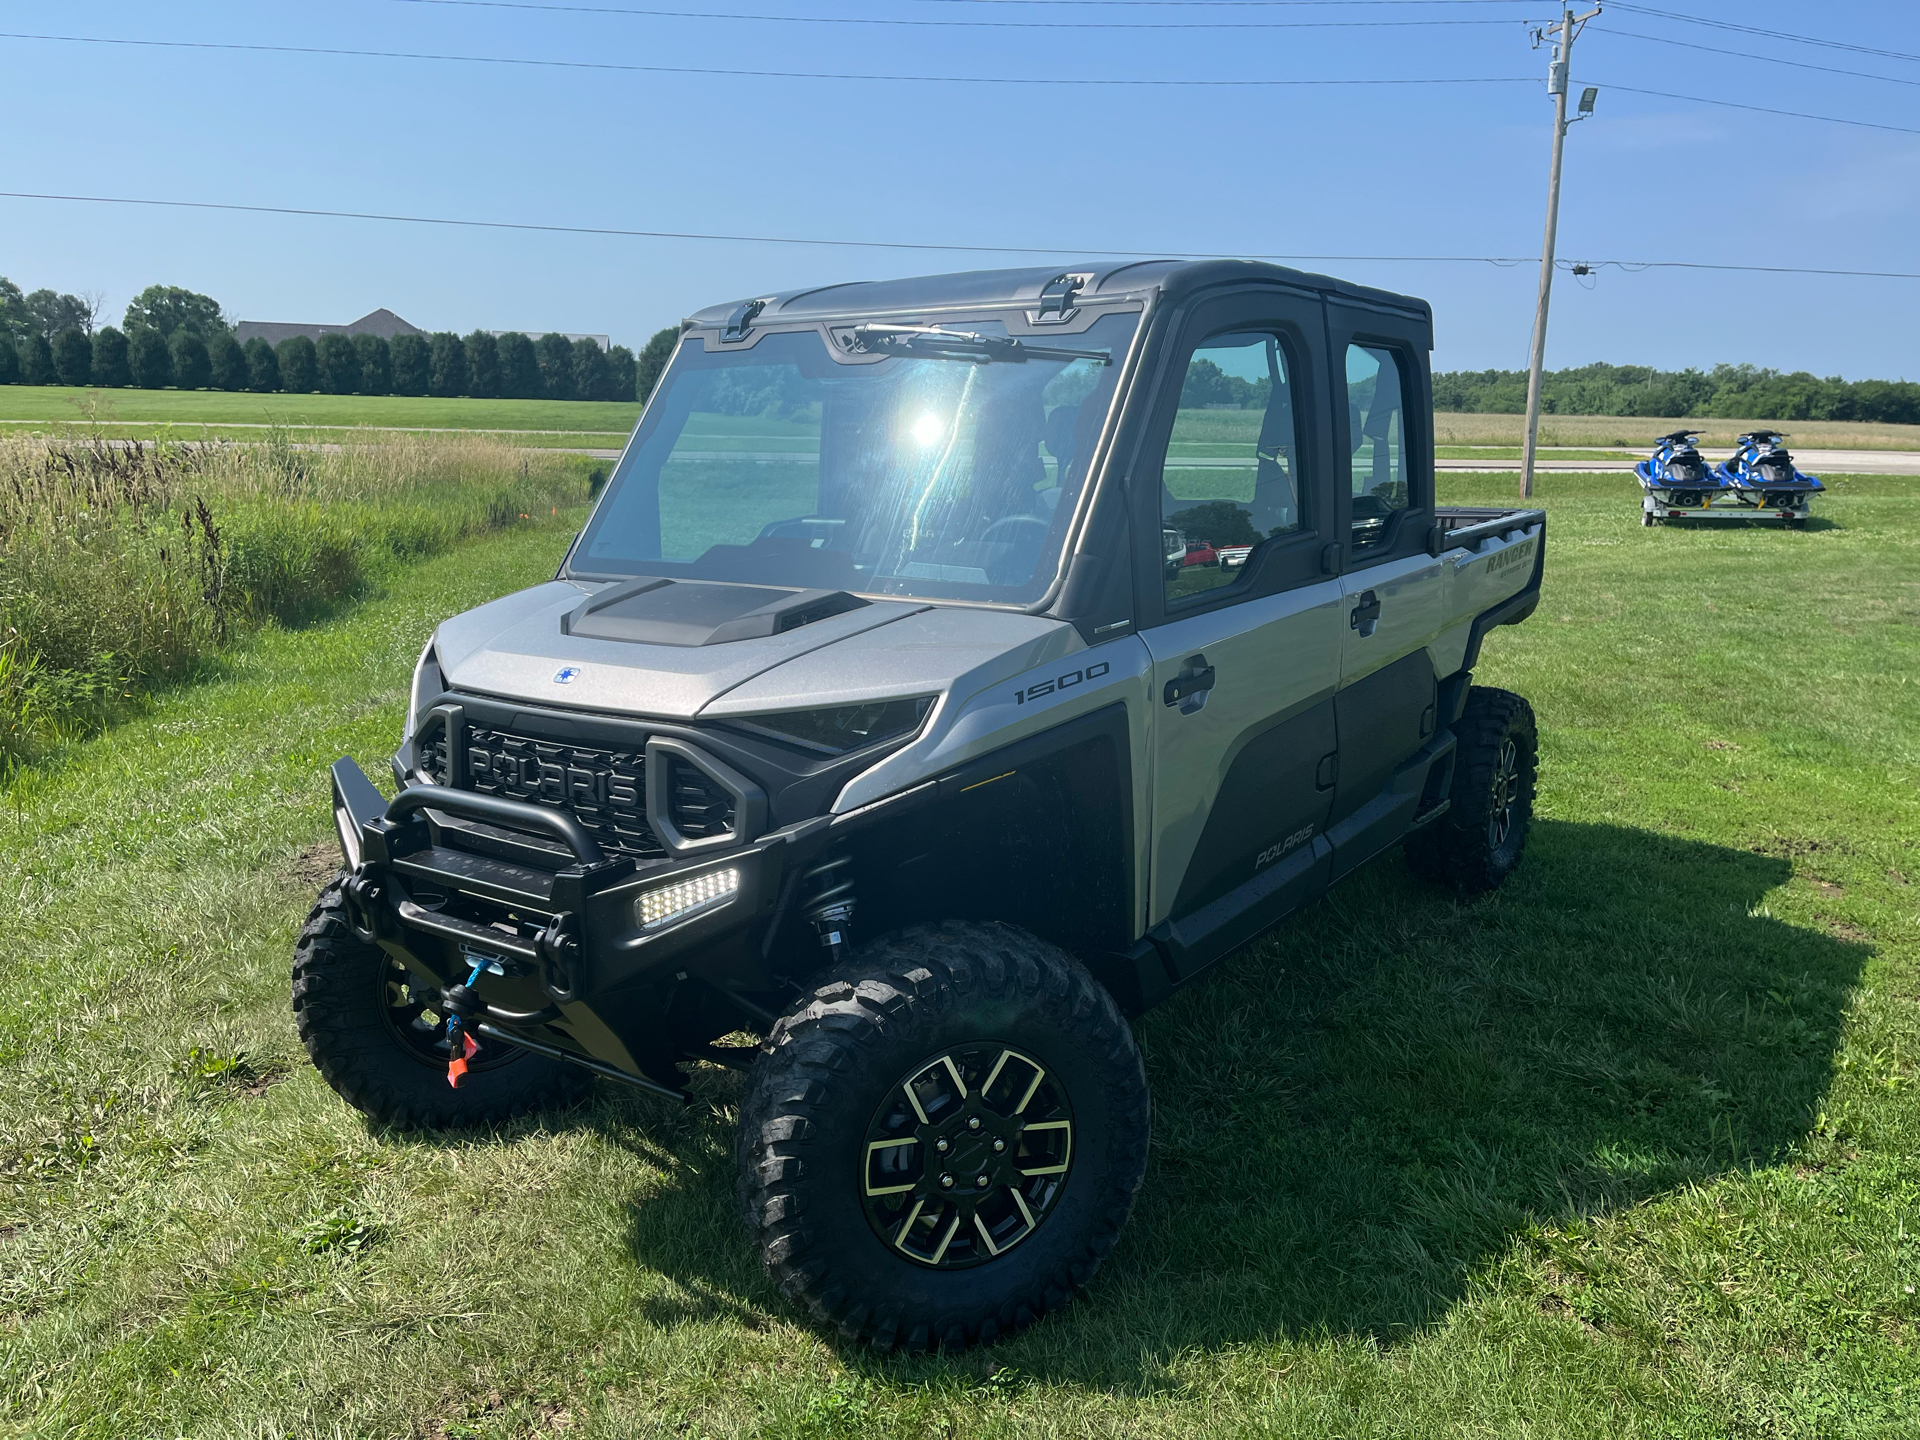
(335, 1008)
(908, 980)
(1453, 850)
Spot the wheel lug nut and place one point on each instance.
(941, 1145)
(980, 1181)
(998, 1146)
(973, 1122)
(946, 1182)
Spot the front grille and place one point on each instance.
(697, 804)
(605, 790)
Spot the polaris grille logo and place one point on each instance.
(567, 676)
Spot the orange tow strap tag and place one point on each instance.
(457, 1067)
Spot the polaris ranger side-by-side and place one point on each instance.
(875, 716)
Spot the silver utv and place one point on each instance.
(873, 739)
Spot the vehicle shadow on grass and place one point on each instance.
(1361, 1111)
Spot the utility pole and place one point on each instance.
(1568, 28)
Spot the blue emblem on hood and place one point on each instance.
(567, 676)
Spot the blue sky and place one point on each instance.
(1339, 170)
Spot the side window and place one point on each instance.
(1232, 476)
(1376, 428)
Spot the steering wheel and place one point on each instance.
(1008, 524)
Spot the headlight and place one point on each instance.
(428, 686)
(655, 908)
(845, 729)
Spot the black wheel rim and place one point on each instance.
(1506, 794)
(413, 1015)
(967, 1155)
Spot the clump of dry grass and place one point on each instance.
(123, 565)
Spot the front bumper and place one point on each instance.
(569, 957)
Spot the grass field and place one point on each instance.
(60, 405)
(1452, 428)
(1627, 1149)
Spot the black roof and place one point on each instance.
(994, 289)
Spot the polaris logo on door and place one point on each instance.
(567, 676)
(1280, 847)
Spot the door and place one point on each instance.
(1243, 626)
(1393, 590)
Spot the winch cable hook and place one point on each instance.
(461, 1047)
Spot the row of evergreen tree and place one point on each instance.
(1726, 392)
(173, 337)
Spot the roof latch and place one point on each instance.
(1057, 297)
(741, 320)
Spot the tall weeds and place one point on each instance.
(122, 566)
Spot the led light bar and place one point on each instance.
(655, 908)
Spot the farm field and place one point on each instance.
(1626, 1149)
(55, 405)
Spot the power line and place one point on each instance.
(1764, 34)
(1761, 109)
(1749, 55)
(1634, 267)
(842, 244)
(606, 65)
(1216, 4)
(951, 24)
(750, 74)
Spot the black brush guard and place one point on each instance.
(567, 968)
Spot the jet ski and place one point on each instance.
(1761, 477)
(1675, 482)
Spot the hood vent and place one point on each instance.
(690, 613)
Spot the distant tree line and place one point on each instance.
(1729, 392)
(175, 337)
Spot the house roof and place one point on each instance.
(382, 322)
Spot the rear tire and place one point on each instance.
(1477, 843)
(381, 1044)
(945, 1224)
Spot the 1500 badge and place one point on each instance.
(1060, 682)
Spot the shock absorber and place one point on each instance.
(829, 902)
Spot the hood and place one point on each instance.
(553, 646)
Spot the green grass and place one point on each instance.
(604, 440)
(122, 569)
(61, 404)
(1626, 1149)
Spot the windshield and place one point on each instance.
(935, 475)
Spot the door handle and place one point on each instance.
(1366, 615)
(1189, 688)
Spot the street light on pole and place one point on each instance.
(1567, 30)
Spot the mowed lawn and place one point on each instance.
(1626, 1149)
(59, 405)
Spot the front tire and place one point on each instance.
(374, 1033)
(892, 1168)
(1477, 843)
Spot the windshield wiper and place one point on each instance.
(938, 342)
